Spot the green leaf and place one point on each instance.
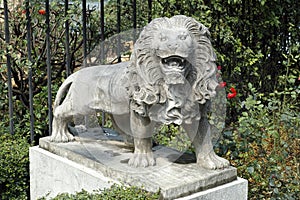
(250, 170)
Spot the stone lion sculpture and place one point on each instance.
(170, 78)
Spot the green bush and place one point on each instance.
(264, 143)
(114, 192)
(14, 167)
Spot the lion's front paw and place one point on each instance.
(142, 160)
(212, 161)
(62, 137)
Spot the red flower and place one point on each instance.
(23, 11)
(219, 67)
(233, 94)
(222, 84)
(232, 90)
(42, 12)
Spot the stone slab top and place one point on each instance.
(175, 174)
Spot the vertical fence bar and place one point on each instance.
(134, 20)
(8, 65)
(28, 29)
(67, 37)
(102, 26)
(119, 30)
(102, 45)
(48, 65)
(84, 44)
(84, 32)
(149, 11)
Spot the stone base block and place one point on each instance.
(51, 175)
(235, 190)
(93, 163)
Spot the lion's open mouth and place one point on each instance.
(174, 69)
(174, 62)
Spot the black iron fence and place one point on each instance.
(86, 9)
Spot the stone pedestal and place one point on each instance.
(51, 174)
(235, 190)
(92, 163)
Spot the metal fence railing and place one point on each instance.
(68, 57)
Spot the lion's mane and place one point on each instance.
(145, 77)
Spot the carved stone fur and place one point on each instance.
(170, 78)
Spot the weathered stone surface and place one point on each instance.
(110, 157)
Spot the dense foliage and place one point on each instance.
(14, 164)
(264, 144)
(114, 192)
(257, 45)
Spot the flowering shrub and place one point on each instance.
(264, 143)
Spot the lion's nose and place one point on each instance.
(173, 46)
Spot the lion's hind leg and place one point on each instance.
(62, 116)
(60, 132)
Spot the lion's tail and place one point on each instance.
(63, 89)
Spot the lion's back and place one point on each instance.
(101, 88)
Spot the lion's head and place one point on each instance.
(172, 66)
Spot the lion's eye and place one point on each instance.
(163, 38)
(182, 37)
